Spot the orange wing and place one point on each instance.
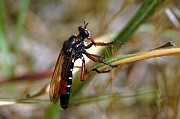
(56, 77)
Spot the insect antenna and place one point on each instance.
(85, 24)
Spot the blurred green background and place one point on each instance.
(32, 33)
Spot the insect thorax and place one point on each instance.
(74, 46)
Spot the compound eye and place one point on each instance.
(80, 28)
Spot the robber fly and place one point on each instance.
(73, 48)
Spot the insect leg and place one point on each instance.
(82, 68)
(89, 45)
(100, 43)
(95, 55)
(90, 56)
(77, 66)
(96, 70)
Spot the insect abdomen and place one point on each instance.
(64, 100)
(65, 93)
(66, 82)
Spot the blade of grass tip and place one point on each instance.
(4, 49)
(20, 23)
(144, 12)
(130, 58)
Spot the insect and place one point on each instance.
(73, 48)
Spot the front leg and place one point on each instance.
(99, 43)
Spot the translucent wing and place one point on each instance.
(56, 77)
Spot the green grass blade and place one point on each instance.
(144, 12)
(53, 111)
(4, 49)
(115, 96)
(20, 23)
